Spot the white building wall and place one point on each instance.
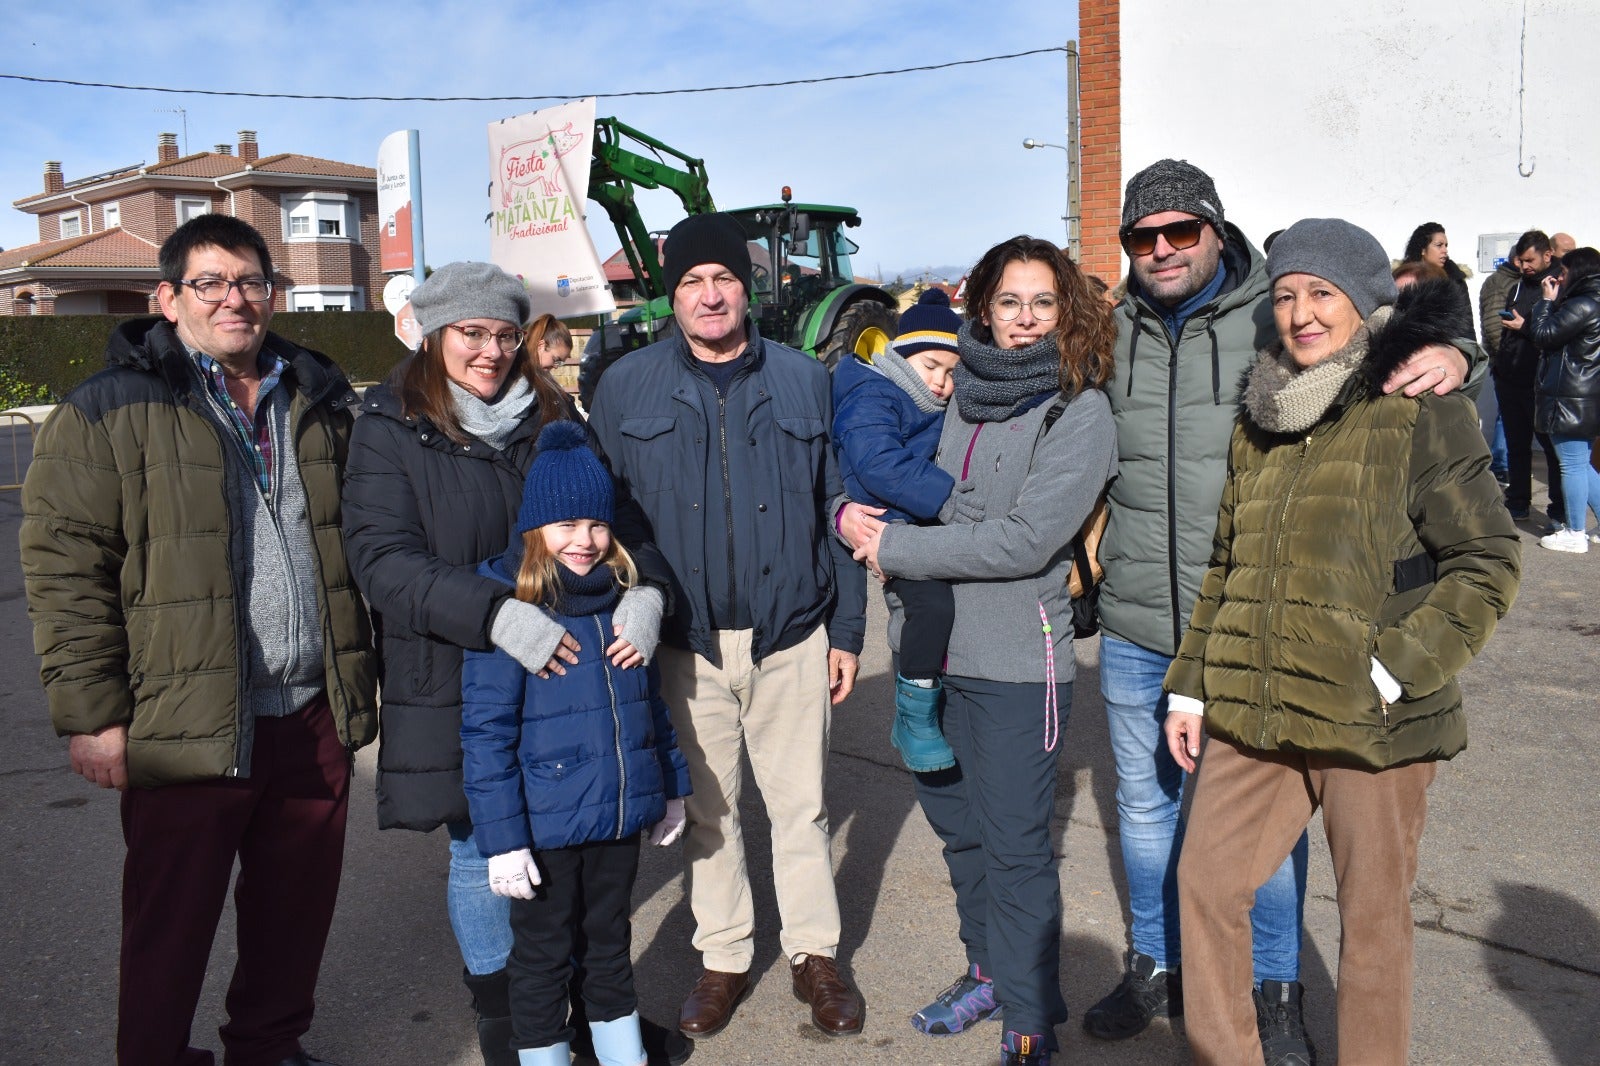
(1389, 113)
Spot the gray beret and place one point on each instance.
(459, 291)
(1171, 185)
(1340, 252)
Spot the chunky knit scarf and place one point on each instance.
(493, 423)
(994, 384)
(583, 594)
(1280, 397)
(896, 369)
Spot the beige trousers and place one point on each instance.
(1249, 809)
(778, 711)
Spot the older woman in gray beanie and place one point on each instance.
(432, 486)
(1363, 557)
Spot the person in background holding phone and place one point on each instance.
(1515, 366)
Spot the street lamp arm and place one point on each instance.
(1031, 143)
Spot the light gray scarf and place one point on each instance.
(993, 384)
(1280, 397)
(493, 423)
(893, 366)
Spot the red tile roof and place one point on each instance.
(108, 248)
(291, 163)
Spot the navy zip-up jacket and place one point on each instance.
(568, 759)
(886, 445)
(764, 486)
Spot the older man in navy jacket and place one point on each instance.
(722, 438)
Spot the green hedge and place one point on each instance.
(42, 357)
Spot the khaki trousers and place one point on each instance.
(778, 711)
(1249, 809)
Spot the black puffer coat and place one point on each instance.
(1567, 390)
(420, 513)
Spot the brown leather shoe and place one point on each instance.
(836, 1008)
(710, 1006)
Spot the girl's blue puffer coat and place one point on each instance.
(886, 445)
(577, 757)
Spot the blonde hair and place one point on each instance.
(536, 577)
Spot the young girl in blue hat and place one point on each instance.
(566, 768)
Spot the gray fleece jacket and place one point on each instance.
(1006, 567)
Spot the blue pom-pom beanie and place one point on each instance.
(928, 323)
(566, 481)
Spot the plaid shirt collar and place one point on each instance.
(254, 436)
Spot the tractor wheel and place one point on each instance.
(865, 328)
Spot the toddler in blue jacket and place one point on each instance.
(886, 424)
(566, 767)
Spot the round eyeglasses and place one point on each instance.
(477, 338)
(1045, 307)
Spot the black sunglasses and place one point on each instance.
(1141, 240)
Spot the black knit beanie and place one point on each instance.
(928, 323)
(701, 239)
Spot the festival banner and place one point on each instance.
(396, 200)
(540, 184)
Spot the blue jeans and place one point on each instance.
(481, 919)
(1149, 822)
(1580, 483)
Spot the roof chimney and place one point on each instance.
(53, 181)
(247, 146)
(223, 149)
(167, 147)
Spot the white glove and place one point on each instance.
(638, 619)
(670, 828)
(513, 874)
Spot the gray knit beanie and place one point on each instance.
(459, 291)
(1171, 185)
(1339, 252)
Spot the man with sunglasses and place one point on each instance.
(203, 644)
(1194, 317)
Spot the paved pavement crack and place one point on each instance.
(1436, 925)
(21, 770)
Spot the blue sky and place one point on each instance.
(934, 161)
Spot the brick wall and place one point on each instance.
(1100, 133)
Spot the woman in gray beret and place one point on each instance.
(1363, 556)
(434, 479)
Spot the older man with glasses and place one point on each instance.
(1193, 319)
(204, 647)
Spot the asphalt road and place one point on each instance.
(1507, 898)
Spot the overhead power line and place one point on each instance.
(559, 96)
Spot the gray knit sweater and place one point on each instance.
(1004, 568)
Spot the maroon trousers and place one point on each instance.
(285, 824)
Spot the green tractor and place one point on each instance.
(803, 292)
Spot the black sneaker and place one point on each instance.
(1278, 1020)
(1142, 995)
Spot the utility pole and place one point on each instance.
(1074, 159)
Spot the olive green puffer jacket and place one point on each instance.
(132, 559)
(1379, 533)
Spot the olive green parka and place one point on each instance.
(133, 561)
(1378, 534)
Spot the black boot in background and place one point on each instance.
(491, 998)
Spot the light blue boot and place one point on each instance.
(618, 1043)
(554, 1055)
(916, 734)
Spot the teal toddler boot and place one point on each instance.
(916, 733)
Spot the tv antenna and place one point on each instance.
(185, 115)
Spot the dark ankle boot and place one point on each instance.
(491, 998)
(916, 734)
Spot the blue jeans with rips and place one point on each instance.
(1149, 822)
(481, 919)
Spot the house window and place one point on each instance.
(71, 224)
(113, 215)
(320, 216)
(336, 298)
(190, 208)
